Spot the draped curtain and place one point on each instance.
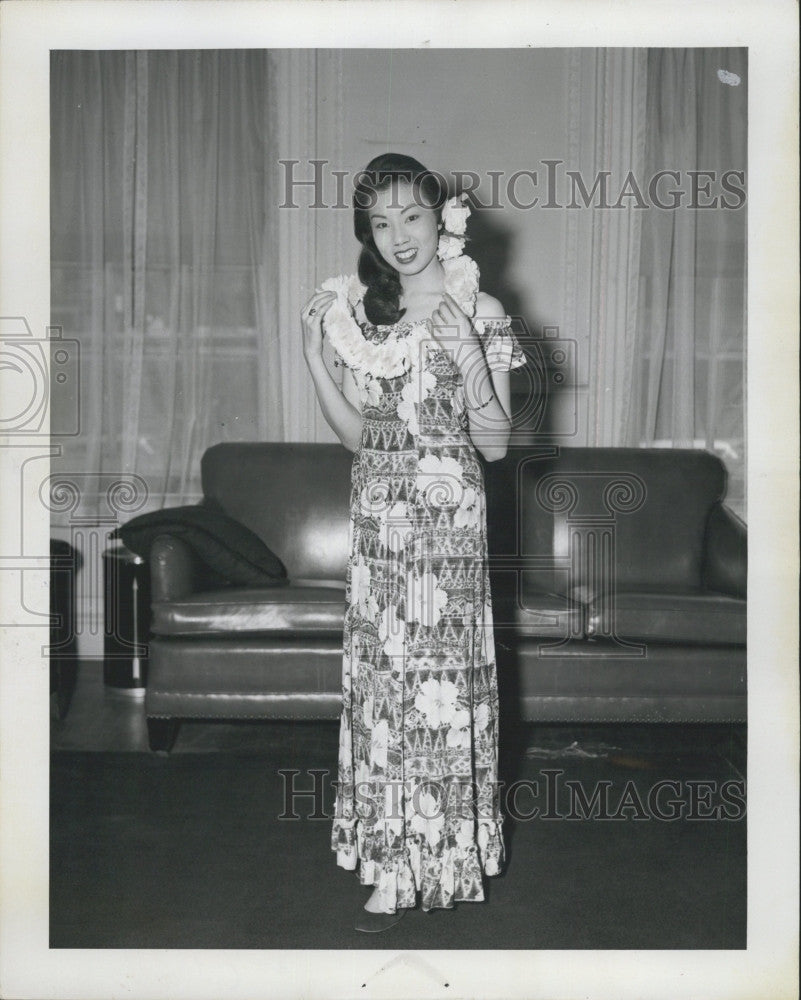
(182, 283)
(688, 387)
(606, 144)
(655, 297)
(164, 262)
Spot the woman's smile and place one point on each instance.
(404, 229)
(406, 256)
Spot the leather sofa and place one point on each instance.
(618, 581)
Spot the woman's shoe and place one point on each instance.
(372, 923)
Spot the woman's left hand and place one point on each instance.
(456, 328)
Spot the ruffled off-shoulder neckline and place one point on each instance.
(497, 321)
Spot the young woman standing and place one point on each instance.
(425, 388)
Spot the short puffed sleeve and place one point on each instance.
(501, 347)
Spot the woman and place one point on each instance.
(425, 386)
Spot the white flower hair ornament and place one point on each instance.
(455, 214)
(397, 355)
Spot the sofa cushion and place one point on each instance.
(302, 610)
(546, 615)
(673, 616)
(666, 683)
(234, 552)
(520, 609)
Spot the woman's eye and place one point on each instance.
(411, 218)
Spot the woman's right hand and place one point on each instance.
(311, 318)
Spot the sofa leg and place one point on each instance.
(161, 734)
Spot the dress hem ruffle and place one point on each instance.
(441, 877)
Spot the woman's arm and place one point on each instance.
(487, 393)
(488, 401)
(340, 408)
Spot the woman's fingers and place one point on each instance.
(443, 316)
(311, 318)
(318, 305)
(454, 306)
(318, 299)
(321, 308)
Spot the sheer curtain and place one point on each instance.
(606, 143)
(164, 264)
(655, 297)
(688, 385)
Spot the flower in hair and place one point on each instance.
(449, 246)
(455, 215)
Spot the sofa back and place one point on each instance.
(658, 500)
(651, 504)
(295, 497)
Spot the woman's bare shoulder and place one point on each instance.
(488, 307)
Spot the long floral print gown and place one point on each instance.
(417, 804)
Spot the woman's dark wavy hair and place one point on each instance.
(381, 300)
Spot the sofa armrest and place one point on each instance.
(725, 566)
(175, 570)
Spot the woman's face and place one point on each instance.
(404, 228)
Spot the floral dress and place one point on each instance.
(417, 805)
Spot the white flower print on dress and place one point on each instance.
(468, 513)
(481, 716)
(439, 480)
(408, 413)
(413, 393)
(428, 818)
(361, 777)
(393, 815)
(395, 525)
(391, 632)
(372, 609)
(464, 835)
(360, 583)
(370, 389)
(459, 733)
(379, 741)
(345, 742)
(436, 700)
(425, 599)
(483, 839)
(367, 711)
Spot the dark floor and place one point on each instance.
(188, 851)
